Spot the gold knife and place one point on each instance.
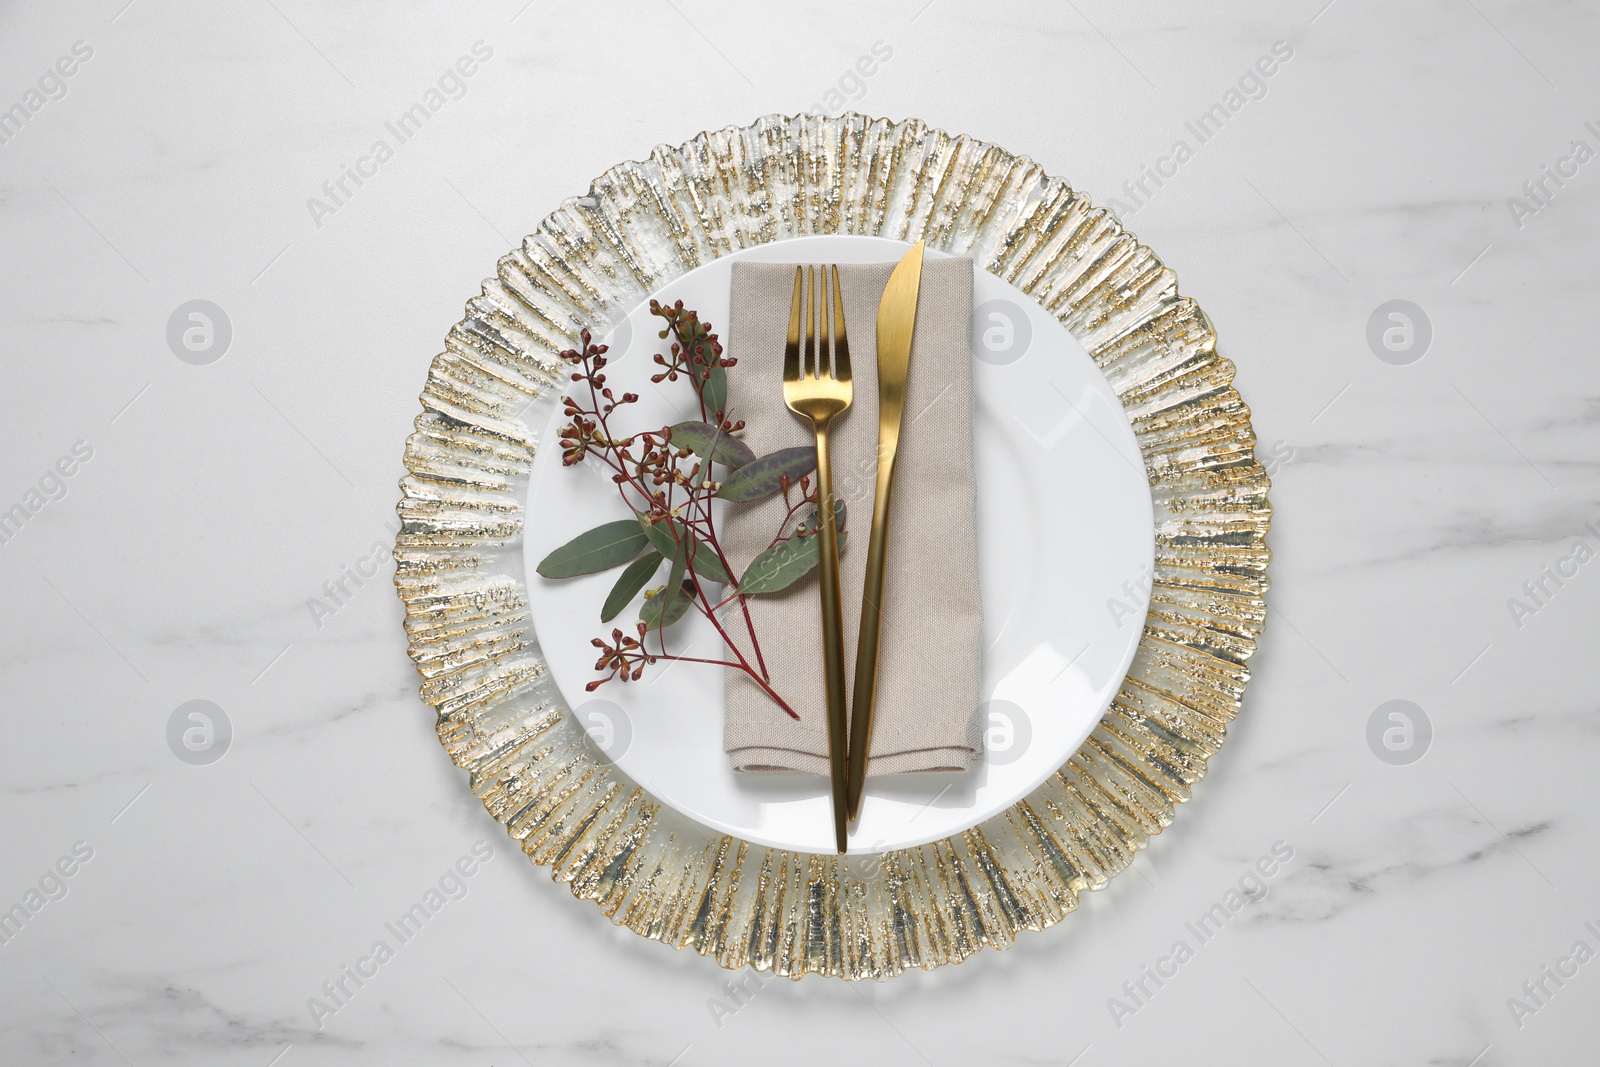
(897, 317)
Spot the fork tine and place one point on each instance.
(791, 348)
(808, 367)
(825, 325)
(841, 343)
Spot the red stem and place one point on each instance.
(720, 663)
(744, 606)
(618, 464)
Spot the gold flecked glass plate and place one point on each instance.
(460, 573)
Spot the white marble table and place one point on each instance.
(211, 506)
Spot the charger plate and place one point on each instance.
(459, 566)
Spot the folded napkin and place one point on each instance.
(926, 716)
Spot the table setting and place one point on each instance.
(833, 545)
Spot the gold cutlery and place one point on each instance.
(818, 389)
(897, 317)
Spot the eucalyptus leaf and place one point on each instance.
(633, 579)
(661, 610)
(763, 477)
(700, 353)
(680, 604)
(703, 558)
(706, 565)
(716, 390)
(813, 517)
(782, 565)
(707, 442)
(660, 535)
(598, 549)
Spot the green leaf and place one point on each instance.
(705, 563)
(650, 614)
(599, 549)
(716, 389)
(707, 442)
(702, 355)
(782, 565)
(661, 610)
(633, 579)
(814, 516)
(702, 557)
(660, 534)
(761, 478)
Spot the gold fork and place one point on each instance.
(818, 389)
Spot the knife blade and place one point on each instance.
(897, 319)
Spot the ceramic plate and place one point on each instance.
(1065, 541)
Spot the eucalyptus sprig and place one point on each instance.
(669, 479)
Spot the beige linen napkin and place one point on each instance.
(926, 717)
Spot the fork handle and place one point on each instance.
(832, 639)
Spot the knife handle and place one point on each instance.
(862, 692)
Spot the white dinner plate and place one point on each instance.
(1066, 548)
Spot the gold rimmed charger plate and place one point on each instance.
(500, 717)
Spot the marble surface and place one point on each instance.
(191, 913)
